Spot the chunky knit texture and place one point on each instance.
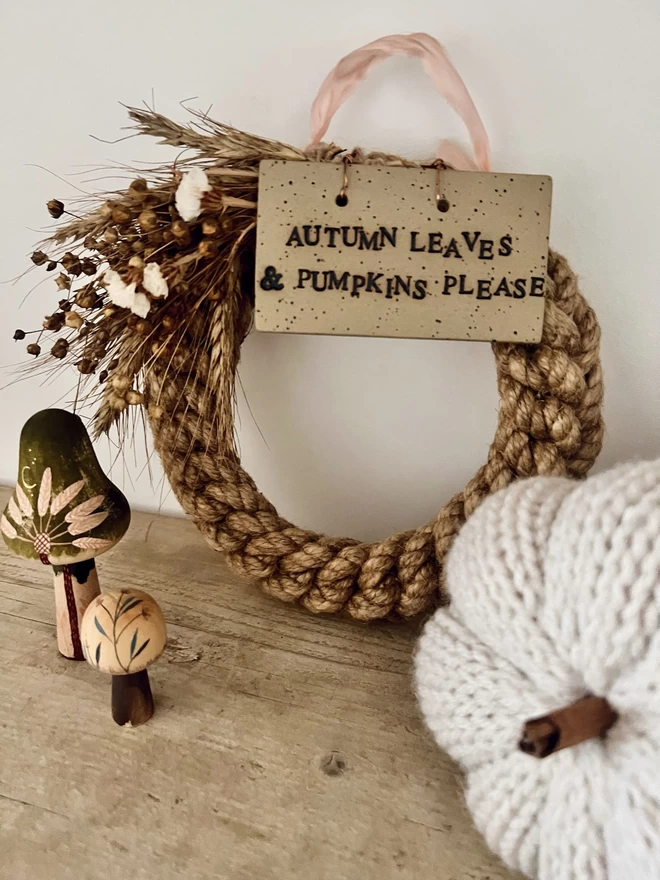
(555, 590)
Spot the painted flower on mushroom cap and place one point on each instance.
(49, 526)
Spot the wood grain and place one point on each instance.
(283, 745)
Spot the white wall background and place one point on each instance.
(361, 436)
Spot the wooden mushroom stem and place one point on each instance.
(75, 587)
(585, 719)
(132, 700)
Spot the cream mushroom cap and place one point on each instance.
(123, 632)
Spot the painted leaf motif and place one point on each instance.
(23, 500)
(43, 501)
(99, 627)
(65, 497)
(91, 543)
(125, 599)
(128, 605)
(85, 508)
(7, 528)
(134, 642)
(97, 655)
(140, 650)
(87, 523)
(14, 511)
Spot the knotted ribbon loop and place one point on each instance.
(342, 81)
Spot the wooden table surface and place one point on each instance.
(283, 745)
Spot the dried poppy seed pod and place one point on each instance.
(111, 236)
(63, 282)
(68, 259)
(180, 231)
(34, 349)
(148, 220)
(55, 208)
(39, 258)
(60, 349)
(73, 320)
(19, 334)
(64, 512)
(51, 265)
(88, 266)
(121, 214)
(120, 383)
(123, 633)
(210, 226)
(87, 299)
(134, 398)
(54, 322)
(207, 249)
(138, 189)
(86, 366)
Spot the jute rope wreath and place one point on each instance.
(168, 301)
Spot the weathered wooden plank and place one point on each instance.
(283, 745)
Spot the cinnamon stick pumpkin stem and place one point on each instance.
(583, 720)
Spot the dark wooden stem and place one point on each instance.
(73, 614)
(585, 719)
(132, 700)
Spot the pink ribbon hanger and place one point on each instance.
(342, 81)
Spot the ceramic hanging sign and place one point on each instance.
(371, 250)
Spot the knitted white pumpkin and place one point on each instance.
(555, 594)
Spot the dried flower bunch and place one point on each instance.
(156, 274)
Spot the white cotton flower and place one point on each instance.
(125, 295)
(140, 305)
(154, 282)
(120, 293)
(194, 184)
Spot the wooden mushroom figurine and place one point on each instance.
(64, 512)
(123, 632)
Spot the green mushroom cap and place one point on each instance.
(64, 509)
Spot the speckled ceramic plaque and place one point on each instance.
(408, 252)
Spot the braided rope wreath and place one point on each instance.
(184, 355)
(549, 424)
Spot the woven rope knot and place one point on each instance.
(549, 423)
